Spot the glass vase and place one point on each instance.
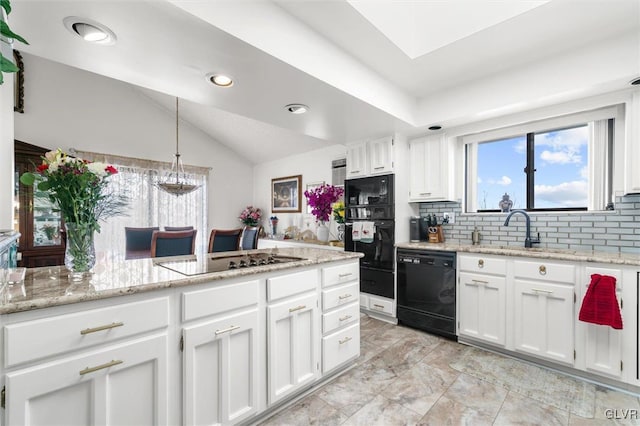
(80, 253)
(341, 232)
(323, 231)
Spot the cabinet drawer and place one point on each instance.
(340, 347)
(544, 271)
(340, 274)
(211, 301)
(380, 304)
(483, 264)
(45, 337)
(340, 295)
(340, 317)
(287, 285)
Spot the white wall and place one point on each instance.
(314, 166)
(6, 142)
(69, 108)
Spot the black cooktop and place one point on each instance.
(208, 264)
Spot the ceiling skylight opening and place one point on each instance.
(89, 30)
(297, 108)
(220, 80)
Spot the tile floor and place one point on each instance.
(408, 377)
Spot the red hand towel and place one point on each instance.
(600, 305)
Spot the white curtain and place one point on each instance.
(148, 205)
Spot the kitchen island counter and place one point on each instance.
(111, 277)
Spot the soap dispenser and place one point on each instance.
(475, 236)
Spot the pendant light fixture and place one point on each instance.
(172, 183)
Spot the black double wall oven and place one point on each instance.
(371, 199)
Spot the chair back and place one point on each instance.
(250, 237)
(224, 240)
(138, 242)
(173, 243)
(178, 228)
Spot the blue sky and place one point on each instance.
(561, 163)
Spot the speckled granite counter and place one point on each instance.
(539, 253)
(50, 286)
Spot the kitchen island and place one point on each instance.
(141, 343)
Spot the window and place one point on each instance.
(557, 164)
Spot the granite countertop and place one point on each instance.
(50, 286)
(535, 252)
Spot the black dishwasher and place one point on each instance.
(427, 291)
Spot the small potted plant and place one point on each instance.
(320, 199)
(250, 216)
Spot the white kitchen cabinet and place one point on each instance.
(221, 369)
(430, 169)
(370, 158)
(293, 339)
(482, 306)
(632, 148)
(603, 344)
(544, 309)
(119, 384)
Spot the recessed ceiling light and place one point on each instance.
(220, 80)
(635, 82)
(297, 108)
(436, 127)
(89, 30)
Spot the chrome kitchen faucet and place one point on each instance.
(528, 242)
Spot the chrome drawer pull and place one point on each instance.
(100, 367)
(378, 168)
(543, 270)
(226, 330)
(297, 308)
(101, 328)
(537, 290)
(346, 296)
(344, 318)
(479, 282)
(425, 193)
(378, 306)
(345, 275)
(345, 340)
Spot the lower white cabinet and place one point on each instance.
(482, 303)
(293, 340)
(544, 320)
(221, 370)
(115, 385)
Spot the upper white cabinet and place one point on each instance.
(430, 169)
(632, 150)
(370, 158)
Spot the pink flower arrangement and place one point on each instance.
(321, 198)
(250, 216)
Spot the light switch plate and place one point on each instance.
(450, 215)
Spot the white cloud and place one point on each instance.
(584, 172)
(561, 157)
(504, 180)
(521, 146)
(479, 179)
(566, 194)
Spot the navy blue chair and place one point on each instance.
(173, 243)
(224, 240)
(250, 236)
(138, 242)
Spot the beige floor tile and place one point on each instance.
(476, 394)
(620, 407)
(447, 412)
(518, 410)
(309, 411)
(383, 412)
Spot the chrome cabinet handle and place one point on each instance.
(479, 282)
(297, 308)
(345, 275)
(425, 193)
(226, 330)
(542, 270)
(101, 328)
(344, 318)
(100, 367)
(345, 340)
(346, 296)
(538, 290)
(378, 168)
(378, 306)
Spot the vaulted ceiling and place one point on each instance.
(366, 68)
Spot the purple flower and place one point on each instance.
(321, 198)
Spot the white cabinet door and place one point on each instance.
(381, 156)
(117, 385)
(632, 148)
(603, 344)
(429, 163)
(293, 345)
(544, 320)
(482, 307)
(357, 160)
(221, 370)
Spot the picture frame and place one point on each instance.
(286, 196)
(311, 186)
(18, 83)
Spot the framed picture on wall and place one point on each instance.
(310, 187)
(285, 194)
